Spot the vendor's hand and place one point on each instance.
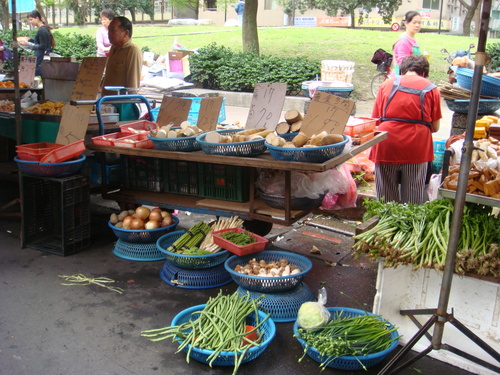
(2, 48)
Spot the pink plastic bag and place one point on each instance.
(339, 201)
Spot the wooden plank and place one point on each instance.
(262, 161)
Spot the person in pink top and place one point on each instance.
(406, 44)
(102, 38)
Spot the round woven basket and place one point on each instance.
(274, 284)
(189, 261)
(143, 235)
(226, 358)
(348, 362)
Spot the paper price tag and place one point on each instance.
(27, 67)
(266, 106)
(173, 110)
(209, 113)
(327, 112)
(74, 122)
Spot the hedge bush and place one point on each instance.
(218, 67)
(67, 45)
(494, 51)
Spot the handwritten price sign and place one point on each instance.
(209, 113)
(173, 110)
(266, 106)
(74, 123)
(88, 79)
(327, 112)
(27, 67)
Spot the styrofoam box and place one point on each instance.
(475, 303)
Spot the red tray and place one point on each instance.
(35, 151)
(258, 245)
(108, 139)
(134, 141)
(367, 125)
(359, 139)
(64, 153)
(138, 127)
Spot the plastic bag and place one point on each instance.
(302, 184)
(345, 199)
(314, 314)
(433, 187)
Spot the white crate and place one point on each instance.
(476, 304)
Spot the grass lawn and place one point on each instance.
(318, 43)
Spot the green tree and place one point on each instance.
(348, 7)
(133, 6)
(471, 10)
(4, 14)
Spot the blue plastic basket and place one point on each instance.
(183, 278)
(189, 261)
(485, 107)
(490, 85)
(283, 307)
(348, 362)
(318, 154)
(250, 148)
(269, 284)
(439, 146)
(35, 168)
(194, 111)
(267, 331)
(143, 235)
(175, 144)
(289, 136)
(141, 252)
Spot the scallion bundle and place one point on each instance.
(343, 335)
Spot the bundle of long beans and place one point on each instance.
(220, 326)
(419, 235)
(355, 336)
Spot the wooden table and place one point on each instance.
(254, 209)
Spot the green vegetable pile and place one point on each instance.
(220, 326)
(240, 239)
(355, 336)
(419, 235)
(188, 243)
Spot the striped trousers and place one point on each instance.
(401, 183)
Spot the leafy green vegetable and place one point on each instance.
(239, 238)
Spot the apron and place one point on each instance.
(415, 51)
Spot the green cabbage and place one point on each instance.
(312, 315)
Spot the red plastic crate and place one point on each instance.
(134, 141)
(35, 151)
(258, 245)
(359, 139)
(138, 127)
(64, 153)
(367, 125)
(108, 139)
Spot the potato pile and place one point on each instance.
(142, 218)
(168, 131)
(272, 269)
(241, 136)
(302, 140)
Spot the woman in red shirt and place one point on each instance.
(409, 107)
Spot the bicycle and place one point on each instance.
(383, 60)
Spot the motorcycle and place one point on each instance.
(457, 59)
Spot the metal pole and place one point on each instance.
(440, 16)
(465, 161)
(17, 92)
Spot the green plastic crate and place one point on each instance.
(142, 173)
(180, 177)
(225, 182)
